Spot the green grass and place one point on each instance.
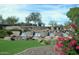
(13, 47)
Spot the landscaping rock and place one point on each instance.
(7, 38)
(44, 50)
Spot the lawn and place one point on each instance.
(13, 47)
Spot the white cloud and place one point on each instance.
(13, 10)
(54, 15)
(49, 12)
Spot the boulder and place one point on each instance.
(7, 38)
(47, 38)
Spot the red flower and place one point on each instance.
(73, 26)
(77, 47)
(73, 42)
(67, 38)
(59, 45)
(61, 38)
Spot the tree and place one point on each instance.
(1, 20)
(28, 19)
(52, 23)
(73, 14)
(67, 23)
(40, 23)
(34, 16)
(21, 23)
(11, 20)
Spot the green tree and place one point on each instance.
(28, 19)
(52, 23)
(73, 14)
(21, 23)
(40, 23)
(35, 17)
(1, 20)
(11, 20)
(67, 23)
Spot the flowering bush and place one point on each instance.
(68, 45)
(73, 26)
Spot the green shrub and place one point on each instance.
(9, 32)
(4, 33)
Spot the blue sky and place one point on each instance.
(56, 12)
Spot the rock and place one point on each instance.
(47, 38)
(16, 33)
(7, 38)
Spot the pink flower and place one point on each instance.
(59, 45)
(72, 43)
(56, 37)
(66, 49)
(57, 50)
(77, 47)
(70, 36)
(61, 38)
(67, 38)
(73, 26)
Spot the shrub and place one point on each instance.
(9, 32)
(68, 45)
(4, 33)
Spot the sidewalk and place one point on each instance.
(44, 50)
